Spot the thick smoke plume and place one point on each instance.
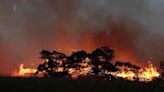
(133, 28)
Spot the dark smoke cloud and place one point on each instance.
(133, 28)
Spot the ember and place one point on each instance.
(82, 64)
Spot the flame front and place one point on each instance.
(129, 75)
(149, 73)
(25, 72)
(145, 74)
(82, 64)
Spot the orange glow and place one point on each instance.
(25, 72)
(83, 71)
(129, 75)
(145, 74)
(148, 73)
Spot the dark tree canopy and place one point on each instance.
(97, 62)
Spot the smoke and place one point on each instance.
(131, 27)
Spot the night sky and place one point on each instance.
(133, 28)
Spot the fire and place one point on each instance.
(25, 72)
(145, 74)
(129, 75)
(149, 73)
(82, 64)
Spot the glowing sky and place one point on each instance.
(134, 28)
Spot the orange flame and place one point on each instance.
(148, 73)
(25, 72)
(145, 74)
(129, 75)
(83, 71)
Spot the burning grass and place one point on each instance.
(97, 64)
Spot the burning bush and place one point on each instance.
(98, 63)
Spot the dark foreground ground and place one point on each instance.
(80, 85)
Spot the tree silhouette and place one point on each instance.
(57, 64)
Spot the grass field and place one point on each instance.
(8, 84)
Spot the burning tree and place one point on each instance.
(98, 63)
(79, 63)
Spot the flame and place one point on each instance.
(74, 73)
(145, 74)
(148, 73)
(25, 72)
(129, 75)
